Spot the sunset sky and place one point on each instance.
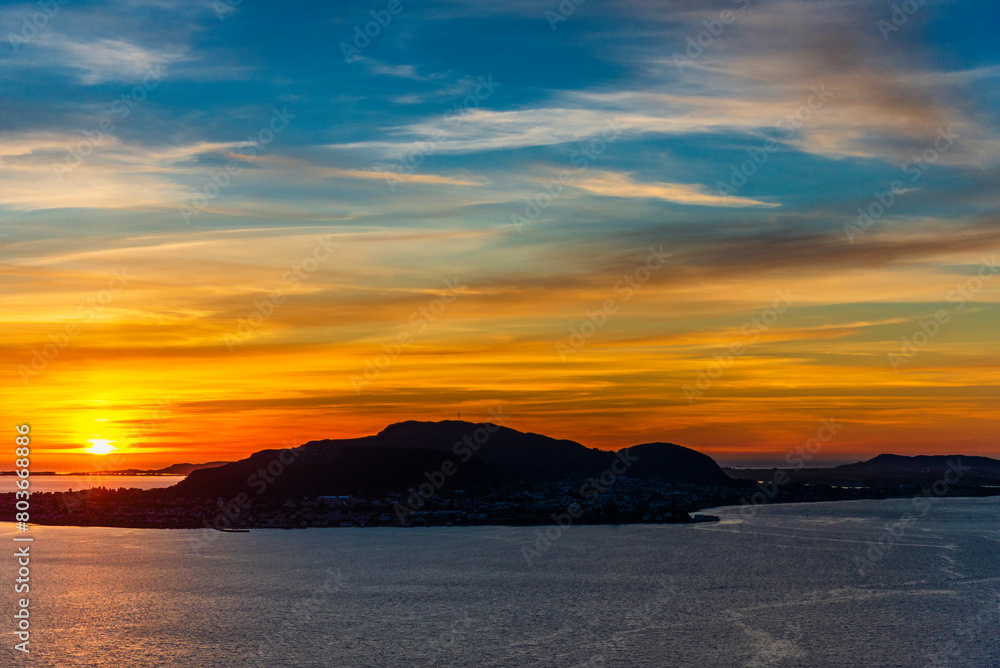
(219, 220)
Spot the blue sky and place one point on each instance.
(536, 152)
(684, 121)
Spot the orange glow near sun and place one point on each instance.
(153, 381)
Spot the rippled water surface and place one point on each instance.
(839, 584)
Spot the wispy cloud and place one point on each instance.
(112, 59)
(108, 174)
(611, 184)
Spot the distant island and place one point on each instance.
(173, 469)
(885, 469)
(455, 473)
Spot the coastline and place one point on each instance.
(690, 516)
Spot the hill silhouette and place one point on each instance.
(402, 454)
(924, 468)
(887, 469)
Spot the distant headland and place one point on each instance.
(172, 470)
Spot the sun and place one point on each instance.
(100, 446)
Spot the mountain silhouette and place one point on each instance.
(402, 456)
(887, 467)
